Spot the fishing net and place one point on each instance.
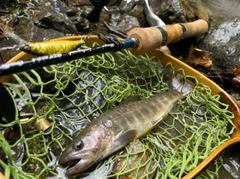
(72, 94)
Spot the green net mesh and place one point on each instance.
(72, 94)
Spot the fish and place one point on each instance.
(116, 128)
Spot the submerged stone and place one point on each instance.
(223, 41)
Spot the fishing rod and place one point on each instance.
(140, 40)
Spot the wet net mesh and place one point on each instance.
(72, 94)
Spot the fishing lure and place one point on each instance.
(45, 48)
(52, 47)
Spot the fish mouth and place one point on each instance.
(76, 162)
(72, 166)
(72, 163)
(77, 166)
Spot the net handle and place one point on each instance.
(196, 171)
(155, 37)
(2, 176)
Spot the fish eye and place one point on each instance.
(78, 145)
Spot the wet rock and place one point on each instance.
(82, 24)
(222, 10)
(223, 41)
(50, 19)
(10, 20)
(58, 7)
(123, 22)
(7, 5)
(71, 10)
(27, 30)
(80, 20)
(78, 2)
(119, 24)
(235, 94)
(137, 12)
(179, 11)
(7, 107)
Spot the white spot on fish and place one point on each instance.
(108, 123)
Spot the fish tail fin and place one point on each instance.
(178, 82)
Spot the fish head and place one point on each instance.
(87, 148)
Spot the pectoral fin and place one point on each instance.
(125, 137)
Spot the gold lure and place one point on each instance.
(46, 48)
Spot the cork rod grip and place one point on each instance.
(155, 37)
